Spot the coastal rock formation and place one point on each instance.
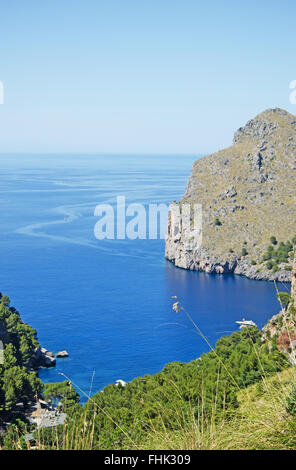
(42, 358)
(62, 354)
(247, 193)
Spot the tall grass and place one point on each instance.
(260, 422)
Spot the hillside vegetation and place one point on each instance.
(240, 395)
(180, 407)
(17, 381)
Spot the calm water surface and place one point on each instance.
(109, 303)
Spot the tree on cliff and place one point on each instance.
(17, 383)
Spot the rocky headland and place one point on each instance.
(247, 193)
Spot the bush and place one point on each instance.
(284, 298)
(280, 255)
(269, 264)
(273, 240)
(275, 268)
(291, 402)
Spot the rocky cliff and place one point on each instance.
(248, 198)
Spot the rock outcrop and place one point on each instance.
(247, 193)
(42, 358)
(62, 354)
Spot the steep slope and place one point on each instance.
(247, 192)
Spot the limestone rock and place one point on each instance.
(42, 358)
(247, 193)
(62, 354)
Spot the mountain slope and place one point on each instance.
(247, 192)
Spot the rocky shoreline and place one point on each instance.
(237, 267)
(42, 358)
(201, 260)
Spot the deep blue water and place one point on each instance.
(109, 303)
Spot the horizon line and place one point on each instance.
(154, 154)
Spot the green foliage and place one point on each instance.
(62, 392)
(275, 267)
(125, 415)
(244, 252)
(282, 254)
(13, 439)
(273, 240)
(284, 298)
(17, 383)
(291, 402)
(292, 310)
(217, 221)
(269, 265)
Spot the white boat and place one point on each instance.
(245, 323)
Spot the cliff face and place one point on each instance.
(247, 193)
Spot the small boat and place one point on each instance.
(245, 323)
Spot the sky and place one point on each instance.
(140, 76)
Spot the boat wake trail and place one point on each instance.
(68, 215)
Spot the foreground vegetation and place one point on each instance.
(240, 395)
(185, 406)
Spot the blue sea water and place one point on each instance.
(108, 302)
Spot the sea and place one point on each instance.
(108, 302)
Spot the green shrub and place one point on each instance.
(284, 298)
(282, 254)
(291, 402)
(269, 265)
(275, 268)
(273, 240)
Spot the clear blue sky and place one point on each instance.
(140, 76)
